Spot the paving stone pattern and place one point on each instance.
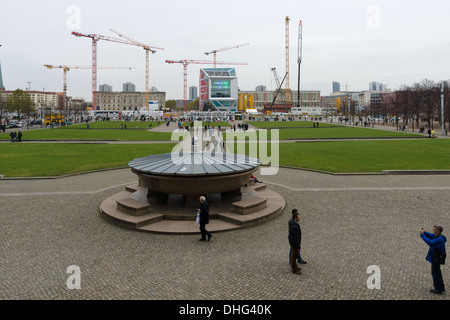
(371, 220)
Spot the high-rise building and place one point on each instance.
(129, 87)
(260, 88)
(336, 87)
(377, 86)
(105, 88)
(193, 93)
(2, 87)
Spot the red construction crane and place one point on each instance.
(187, 62)
(95, 38)
(148, 49)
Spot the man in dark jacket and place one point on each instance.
(204, 219)
(295, 239)
(436, 241)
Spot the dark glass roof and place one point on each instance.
(194, 163)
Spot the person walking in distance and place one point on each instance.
(204, 219)
(299, 258)
(295, 239)
(436, 256)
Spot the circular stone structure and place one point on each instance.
(166, 197)
(193, 174)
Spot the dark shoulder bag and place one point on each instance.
(439, 256)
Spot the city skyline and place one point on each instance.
(354, 41)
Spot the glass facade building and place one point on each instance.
(218, 89)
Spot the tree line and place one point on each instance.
(416, 105)
(19, 101)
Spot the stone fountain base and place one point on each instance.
(138, 209)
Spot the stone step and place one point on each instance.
(252, 219)
(249, 205)
(258, 186)
(187, 227)
(110, 211)
(133, 207)
(134, 188)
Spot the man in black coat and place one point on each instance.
(204, 219)
(295, 239)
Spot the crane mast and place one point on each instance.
(95, 39)
(299, 61)
(147, 49)
(278, 83)
(288, 97)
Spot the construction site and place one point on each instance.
(218, 83)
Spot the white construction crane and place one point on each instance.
(147, 49)
(224, 49)
(68, 68)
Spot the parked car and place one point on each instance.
(13, 125)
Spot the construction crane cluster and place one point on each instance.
(126, 40)
(123, 39)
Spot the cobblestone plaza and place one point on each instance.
(349, 223)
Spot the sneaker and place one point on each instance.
(302, 262)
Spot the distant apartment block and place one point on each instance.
(193, 93)
(105, 88)
(377, 86)
(129, 87)
(336, 87)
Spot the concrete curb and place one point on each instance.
(61, 177)
(416, 172)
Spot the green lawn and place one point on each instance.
(91, 134)
(30, 160)
(288, 124)
(211, 124)
(46, 159)
(341, 132)
(367, 156)
(115, 124)
(335, 132)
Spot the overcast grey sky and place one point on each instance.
(353, 42)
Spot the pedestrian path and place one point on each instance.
(348, 223)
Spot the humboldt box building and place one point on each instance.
(218, 90)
